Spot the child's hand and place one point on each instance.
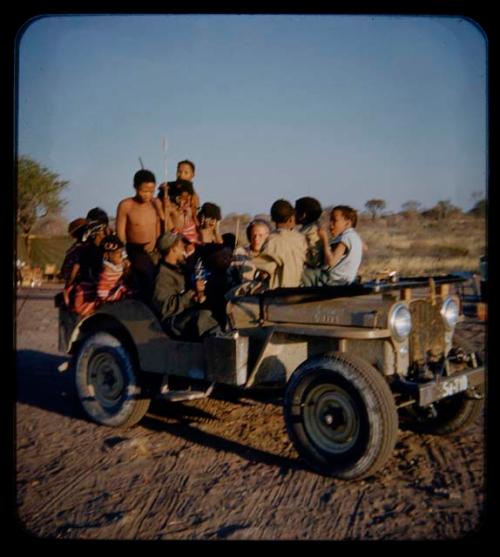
(199, 286)
(199, 291)
(323, 233)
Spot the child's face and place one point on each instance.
(208, 222)
(338, 223)
(115, 257)
(185, 172)
(183, 200)
(145, 192)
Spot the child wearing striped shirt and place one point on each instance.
(111, 284)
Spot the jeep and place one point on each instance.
(353, 361)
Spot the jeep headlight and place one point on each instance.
(450, 312)
(400, 321)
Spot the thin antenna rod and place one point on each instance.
(164, 145)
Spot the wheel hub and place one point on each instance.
(330, 418)
(334, 417)
(107, 379)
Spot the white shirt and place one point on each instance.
(347, 268)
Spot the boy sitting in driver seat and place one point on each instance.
(182, 311)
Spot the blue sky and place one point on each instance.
(341, 108)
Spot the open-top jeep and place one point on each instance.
(352, 360)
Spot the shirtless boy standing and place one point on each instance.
(138, 227)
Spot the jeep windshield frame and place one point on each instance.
(318, 293)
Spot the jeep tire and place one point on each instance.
(451, 414)
(341, 416)
(106, 382)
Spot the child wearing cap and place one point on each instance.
(99, 216)
(182, 310)
(91, 259)
(110, 286)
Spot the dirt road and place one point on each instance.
(219, 468)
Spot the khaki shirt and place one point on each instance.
(283, 256)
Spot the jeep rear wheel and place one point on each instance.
(341, 416)
(449, 415)
(107, 384)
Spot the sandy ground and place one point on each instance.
(219, 468)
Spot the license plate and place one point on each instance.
(453, 386)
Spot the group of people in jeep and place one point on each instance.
(167, 251)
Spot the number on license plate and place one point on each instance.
(454, 385)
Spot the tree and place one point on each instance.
(479, 209)
(442, 210)
(375, 206)
(411, 207)
(38, 193)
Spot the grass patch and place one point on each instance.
(418, 247)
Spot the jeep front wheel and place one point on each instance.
(107, 384)
(341, 416)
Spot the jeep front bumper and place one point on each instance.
(442, 387)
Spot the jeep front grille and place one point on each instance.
(427, 338)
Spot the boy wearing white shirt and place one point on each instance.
(342, 257)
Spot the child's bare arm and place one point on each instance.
(168, 209)
(217, 234)
(160, 225)
(195, 206)
(74, 272)
(169, 221)
(121, 220)
(206, 235)
(158, 205)
(173, 218)
(332, 256)
(166, 202)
